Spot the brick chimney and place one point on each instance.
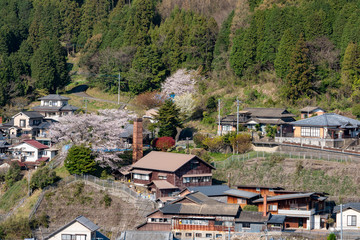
(265, 206)
(137, 140)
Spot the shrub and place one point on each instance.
(42, 178)
(150, 99)
(356, 110)
(107, 200)
(241, 142)
(211, 103)
(331, 236)
(251, 208)
(201, 153)
(214, 144)
(13, 175)
(270, 131)
(163, 143)
(198, 140)
(80, 160)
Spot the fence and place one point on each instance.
(109, 185)
(236, 159)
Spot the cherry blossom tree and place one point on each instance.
(99, 131)
(186, 103)
(181, 82)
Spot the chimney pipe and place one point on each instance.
(137, 145)
(265, 206)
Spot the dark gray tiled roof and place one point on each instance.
(9, 123)
(54, 97)
(4, 144)
(352, 205)
(66, 107)
(285, 197)
(269, 112)
(33, 114)
(277, 219)
(201, 198)
(145, 235)
(310, 109)
(328, 120)
(69, 107)
(247, 216)
(82, 220)
(240, 193)
(210, 191)
(203, 209)
(87, 223)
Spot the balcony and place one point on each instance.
(297, 213)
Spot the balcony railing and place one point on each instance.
(296, 212)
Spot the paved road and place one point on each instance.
(81, 92)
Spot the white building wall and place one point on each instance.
(25, 149)
(75, 228)
(346, 213)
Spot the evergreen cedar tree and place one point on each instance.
(163, 143)
(148, 47)
(80, 160)
(42, 178)
(168, 119)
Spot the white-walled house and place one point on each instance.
(54, 106)
(80, 228)
(31, 152)
(350, 216)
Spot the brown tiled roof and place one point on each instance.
(164, 161)
(163, 184)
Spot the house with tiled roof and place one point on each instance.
(165, 173)
(350, 217)
(254, 118)
(309, 111)
(54, 106)
(31, 153)
(81, 228)
(326, 130)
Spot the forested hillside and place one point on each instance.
(309, 50)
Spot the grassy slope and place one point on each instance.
(340, 180)
(13, 195)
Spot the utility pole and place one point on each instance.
(341, 222)
(237, 115)
(119, 90)
(219, 127)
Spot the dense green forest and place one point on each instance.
(310, 48)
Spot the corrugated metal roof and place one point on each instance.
(145, 235)
(277, 219)
(213, 190)
(284, 197)
(240, 193)
(220, 209)
(328, 120)
(351, 205)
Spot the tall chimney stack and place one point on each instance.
(137, 145)
(265, 206)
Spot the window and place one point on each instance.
(80, 237)
(141, 176)
(272, 207)
(178, 234)
(246, 225)
(227, 128)
(22, 123)
(196, 179)
(218, 236)
(351, 220)
(258, 189)
(66, 237)
(50, 103)
(194, 164)
(193, 222)
(310, 132)
(162, 177)
(271, 190)
(188, 234)
(208, 235)
(198, 235)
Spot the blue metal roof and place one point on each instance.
(328, 120)
(210, 191)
